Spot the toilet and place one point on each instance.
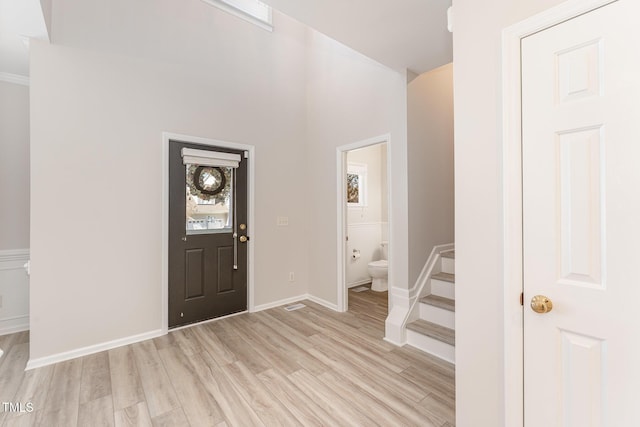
(378, 270)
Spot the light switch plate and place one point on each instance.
(283, 221)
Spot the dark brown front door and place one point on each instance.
(207, 232)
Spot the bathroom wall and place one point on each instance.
(14, 206)
(367, 225)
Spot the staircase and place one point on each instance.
(434, 330)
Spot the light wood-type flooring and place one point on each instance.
(310, 367)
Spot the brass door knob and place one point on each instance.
(243, 239)
(541, 304)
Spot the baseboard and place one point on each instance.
(85, 351)
(358, 283)
(324, 303)
(278, 303)
(11, 325)
(396, 343)
(394, 332)
(291, 300)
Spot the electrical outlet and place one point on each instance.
(292, 276)
(282, 221)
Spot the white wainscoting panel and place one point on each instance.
(14, 291)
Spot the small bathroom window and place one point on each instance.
(356, 184)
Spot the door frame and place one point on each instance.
(512, 196)
(341, 194)
(206, 142)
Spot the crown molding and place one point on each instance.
(14, 78)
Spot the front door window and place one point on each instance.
(209, 197)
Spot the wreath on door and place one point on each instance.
(208, 182)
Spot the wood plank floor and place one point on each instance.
(309, 367)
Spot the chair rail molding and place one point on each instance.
(14, 78)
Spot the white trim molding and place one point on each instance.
(85, 351)
(512, 194)
(279, 303)
(322, 302)
(14, 290)
(14, 255)
(357, 283)
(166, 137)
(295, 299)
(14, 78)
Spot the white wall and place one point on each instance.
(14, 166)
(14, 207)
(46, 6)
(118, 74)
(367, 224)
(430, 157)
(351, 98)
(479, 220)
(98, 119)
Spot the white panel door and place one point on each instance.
(581, 219)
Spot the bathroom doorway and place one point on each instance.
(363, 222)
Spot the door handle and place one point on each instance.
(541, 304)
(243, 239)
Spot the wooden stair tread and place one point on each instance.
(445, 277)
(448, 254)
(433, 330)
(440, 302)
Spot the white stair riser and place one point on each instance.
(437, 315)
(443, 288)
(431, 346)
(448, 265)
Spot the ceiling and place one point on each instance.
(400, 34)
(20, 20)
